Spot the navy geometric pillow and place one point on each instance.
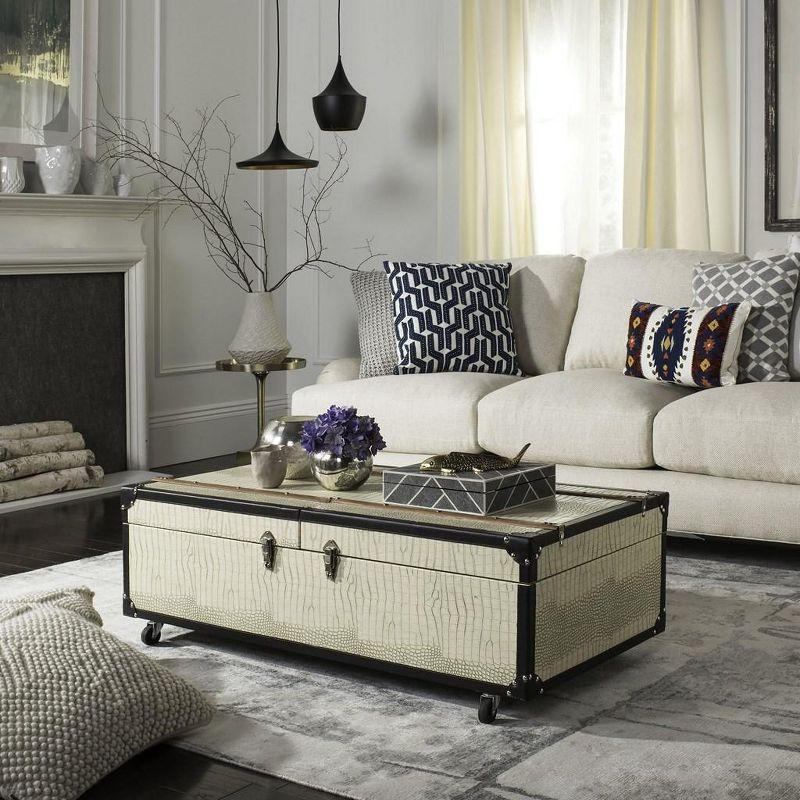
(452, 318)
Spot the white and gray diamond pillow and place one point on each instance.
(770, 284)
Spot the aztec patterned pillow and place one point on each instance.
(770, 285)
(375, 323)
(689, 346)
(452, 318)
(76, 702)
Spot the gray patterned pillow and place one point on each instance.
(770, 284)
(76, 703)
(376, 338)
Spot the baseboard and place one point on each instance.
(203, 431)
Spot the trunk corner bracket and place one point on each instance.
(126, 600)
(530, 681)
(519, 550)
(126, 504)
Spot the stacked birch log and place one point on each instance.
(38, 458)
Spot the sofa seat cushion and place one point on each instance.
(749, 431)
(589, 417)
(417, 413)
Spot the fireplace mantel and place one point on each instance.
(74, 205)
(47, 234)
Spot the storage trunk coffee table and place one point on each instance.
(503, 605)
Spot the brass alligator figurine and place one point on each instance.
(453, 463)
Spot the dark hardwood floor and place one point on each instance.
(73, 530)
(79, 529)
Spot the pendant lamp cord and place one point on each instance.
(278, 85)
(339, 27)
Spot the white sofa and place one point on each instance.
(729, 457)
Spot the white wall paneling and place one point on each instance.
(173, 57)
(402, 187)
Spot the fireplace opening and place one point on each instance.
(62, 356)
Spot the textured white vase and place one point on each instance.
(12, 177)
(59, 168)
(260, 338)
(95, 177)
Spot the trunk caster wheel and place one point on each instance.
(487, 708)
(151, 633)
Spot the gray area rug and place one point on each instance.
(710, 709)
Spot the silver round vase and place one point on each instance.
(287, 431)
(338, 474)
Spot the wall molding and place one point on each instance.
(204, 431)
(214, 411)
(162, 369)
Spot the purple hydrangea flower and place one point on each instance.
(341, 431)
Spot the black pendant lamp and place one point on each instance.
(278, 155)
(339, 107)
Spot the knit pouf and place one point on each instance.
(75, 702)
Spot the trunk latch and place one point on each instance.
(330, 556)
(268, 549)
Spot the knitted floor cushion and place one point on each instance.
(75, 702)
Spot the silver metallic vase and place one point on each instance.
(287, 431)
(268, 465)
(339, 474)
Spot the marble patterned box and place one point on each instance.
(469, 492)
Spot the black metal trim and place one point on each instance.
(251, 507)
(127, 496)
(127, 605)
(523, 543)
(662, 617)
(422, 530)
(525, 614)
(323, 652)
(519, 689)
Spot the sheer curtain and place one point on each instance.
(679, 140)
(542, 126)
(495, 137)
(592, 124)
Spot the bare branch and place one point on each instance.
(185, 182)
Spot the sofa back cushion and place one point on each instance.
(612, 282)
(543, 298)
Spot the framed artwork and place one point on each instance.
(48, 57)
(782, 115)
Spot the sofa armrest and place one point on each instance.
(343, 369)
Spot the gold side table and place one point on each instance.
(259, 372)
